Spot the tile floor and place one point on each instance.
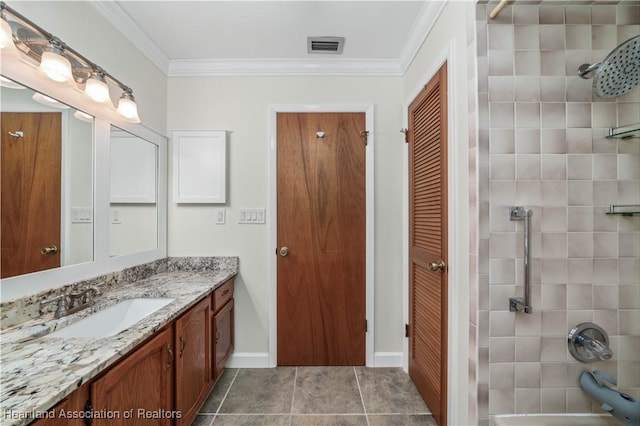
(310, 396)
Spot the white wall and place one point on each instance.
(239, 104)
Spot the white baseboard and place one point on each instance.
(248, 360)
(261, 360)
(387, 359)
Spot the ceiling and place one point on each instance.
(270, 37)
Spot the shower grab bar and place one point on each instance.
(519, 304)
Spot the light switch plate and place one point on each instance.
(81, 215)
(251, 215)
(221, 216)
(115, 216)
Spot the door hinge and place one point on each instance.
(88, 415)
(406, 134)
(365, 133)
(406, 330)
(366, 326)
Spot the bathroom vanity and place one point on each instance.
(160, 370)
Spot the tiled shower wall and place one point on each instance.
(541, 144)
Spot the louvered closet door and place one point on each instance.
(428, 244)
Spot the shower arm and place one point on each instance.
(586, 71)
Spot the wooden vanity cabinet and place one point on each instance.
(193, 360)
(165, 380)
(139, 389)
(62, 414)
(222, 327)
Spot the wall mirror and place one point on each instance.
(47, 182)
(90, 245)
(133, 212)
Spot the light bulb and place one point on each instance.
(6, 37)
(56, 66)
(128, 108)
(96, 88)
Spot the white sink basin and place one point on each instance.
(112, 320)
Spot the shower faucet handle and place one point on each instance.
(588, 342)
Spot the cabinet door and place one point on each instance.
(64, 412)
(193, 360)
(223, 335)
(139, 389)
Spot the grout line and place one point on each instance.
(293, 396)
(225, 394)
(364, 407)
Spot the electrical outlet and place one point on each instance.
(221, 216)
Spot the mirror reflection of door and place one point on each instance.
(31, 182)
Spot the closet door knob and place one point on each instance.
(437, 266)
(284, 251)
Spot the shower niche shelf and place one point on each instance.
(625, 132)
(624, 209)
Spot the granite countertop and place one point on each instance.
(39, 371)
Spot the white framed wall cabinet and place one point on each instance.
(199, 166)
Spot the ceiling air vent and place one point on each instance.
(325, 44)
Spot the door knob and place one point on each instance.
(284, 251)
(49, 250)
(437, 266)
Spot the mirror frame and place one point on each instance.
(13, 288)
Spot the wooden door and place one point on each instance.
(193, 360)
(428, 244)
(142, 382)
(321, 221)
(30, 194)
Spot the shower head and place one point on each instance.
(619, 73)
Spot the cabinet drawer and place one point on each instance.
(222, 295)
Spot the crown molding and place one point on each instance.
(421, 29)
(429, 13)
(120, 19)
(190, 68)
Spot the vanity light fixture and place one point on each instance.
(83, 116)
(6, 39)
(61, 63)
(96, 88)
(10, 84)
(127, 107)
(46, 100)
(54, 65)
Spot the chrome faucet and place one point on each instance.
(588, 342)
(83, 298)
(61, 309)
(595, 346)
(73, 302)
